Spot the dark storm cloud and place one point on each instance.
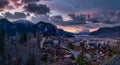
(28, 1)
(3, 3)
(84, 5)
(69, 23)
(10, 7)
(37, 8)
(107, 18)
(58, 20)
(104, 4)
(72, 22)
(16, 15)
(80, 17)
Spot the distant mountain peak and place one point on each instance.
(107, 31)
(42, 22)
(5, 20)
(24, 26)
(8, 26)
(23, 22)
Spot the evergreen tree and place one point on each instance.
(2, 47)
(2, 42)
(18, 61)
(116, 49)
(71, 46)
(31, 61)
(82, 59)
(23, 39)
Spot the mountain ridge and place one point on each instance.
(24, 26)
(107, 31)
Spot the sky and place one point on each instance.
(104, 13)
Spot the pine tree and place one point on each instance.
(82, 59)
(2, 42)
(31, 61)
(23, 39)
(18, 61)
(2, 47)
(116, 49)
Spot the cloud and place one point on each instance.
(63, 6)
(58, 20)
(83, 5)
(107, 18)
(16, 15)
(39, 18)
(28, 1)
(103, 4)
(3, 3)
(37, 8)
(80, 17)
(6, 4)
(23, 1)
(1, 17)
(14, 1)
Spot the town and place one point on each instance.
(37, 49)
(59, 32)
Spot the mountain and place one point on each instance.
(82, 33)
(45, 28)
(8, 27)
(107, 31)
(24, 26)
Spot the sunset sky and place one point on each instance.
(34, 11)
